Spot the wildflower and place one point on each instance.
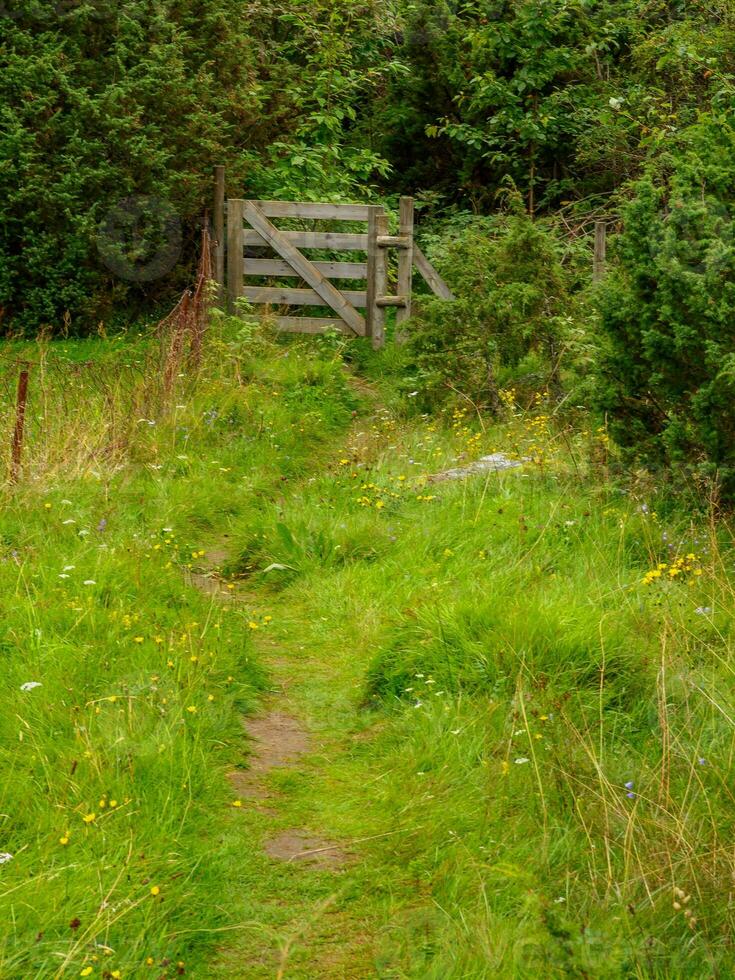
(701, 762)
(210, 697)
(86, 971)
(155, 890)
(69, 520)
(5, 857)
(89, 817)
(116, 974)
(252, 625)
(30, 685)
(113, 804)
(192, 709)
(237, 803)
(504, 767)
(138, 639)
(521, 761)
(64, 840)
(89, 581)
(47, 506)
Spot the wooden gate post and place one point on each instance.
(376, 276)
(235, 252)
(405, 263)
(598, 262)
(218, 218)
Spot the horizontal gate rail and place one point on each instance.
(333, 270)
(309, 209)
(339, 241)
(285, 296)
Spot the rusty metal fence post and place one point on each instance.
(20, 419)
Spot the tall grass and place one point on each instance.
(556, 711)
(123, 683)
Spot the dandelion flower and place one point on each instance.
(64, 840)
(237, 803)
(192, 709)
(155, 890)
(252, 625)
(89, 817)
(86, 971)
(137, 639)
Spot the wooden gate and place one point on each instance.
(258, 252)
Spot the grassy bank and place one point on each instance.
(544, 663)
(123, 681)
(519, 685)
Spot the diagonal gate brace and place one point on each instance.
(307, 270)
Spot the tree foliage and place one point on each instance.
(667, 376)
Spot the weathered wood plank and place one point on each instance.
(431, 276)
(371, 256)
(298, 297)
(405, 262)
(310, 324)
(339, 241)
(379, 267)
(279, 267)
(391, 301)
(310, 209)
(279, 241)
(234, 252)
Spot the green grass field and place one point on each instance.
(518, 686)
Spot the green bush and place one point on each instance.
(667, 372)
(512, 299)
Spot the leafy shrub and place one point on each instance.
(667, 373)
(511, 297)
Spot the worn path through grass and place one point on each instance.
(310, 891)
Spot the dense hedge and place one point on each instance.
(667, 375)
(101, 100)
